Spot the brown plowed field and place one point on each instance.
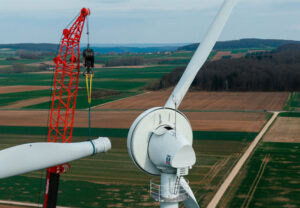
(52, 63)
(132, 67)
(27, 102)
(220, 54)
(284, 130)
(201, 121)
(4, 66)
(272, 101)
(21, 88)
(39, 63)
(237, 55)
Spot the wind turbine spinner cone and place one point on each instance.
(160, 139)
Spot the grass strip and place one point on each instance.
(122, 133)
(289, 114)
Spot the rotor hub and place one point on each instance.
(154, 121)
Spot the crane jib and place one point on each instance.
(64, 95)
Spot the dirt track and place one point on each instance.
(272, 101)
(21, 88)
(284, 130)
(205, 121)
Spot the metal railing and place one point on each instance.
(167, 194)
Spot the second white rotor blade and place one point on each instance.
(35, 156)
(201, 55)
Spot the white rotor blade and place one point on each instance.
(190, 202)
(200, 55)
(35, 156)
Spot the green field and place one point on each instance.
(115, 132)
(246, 50)
(290, 114)
(270, 179)
(82, 103)
(128, 81)
(293, 104)
(111, 179)
(9, 98)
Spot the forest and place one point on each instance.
(278, 70)
(243, 43)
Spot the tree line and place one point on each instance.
(276, 71)
(243, 43)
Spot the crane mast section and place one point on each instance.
(65, 85)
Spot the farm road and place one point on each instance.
(216, 199)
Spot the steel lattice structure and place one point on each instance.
(65, 88)
(65, 85)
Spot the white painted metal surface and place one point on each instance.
(35, 156)
(168, 185)
(170, 153)
(201, 54)
(171, 150)
(144, 126)
(191, 202)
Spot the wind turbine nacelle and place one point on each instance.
(171, 150)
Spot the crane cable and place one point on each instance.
(89, 80)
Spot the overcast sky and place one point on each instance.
(147, 21)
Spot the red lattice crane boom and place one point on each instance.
(64, 96)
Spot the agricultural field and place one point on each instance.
(285, 129)
(224, 124)
(96, 181)
(18, 75)
(293, 104)
(233, 54)
(200, 121)
(112, 83)
(233, 130)
(269, 179)
(207, 101)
